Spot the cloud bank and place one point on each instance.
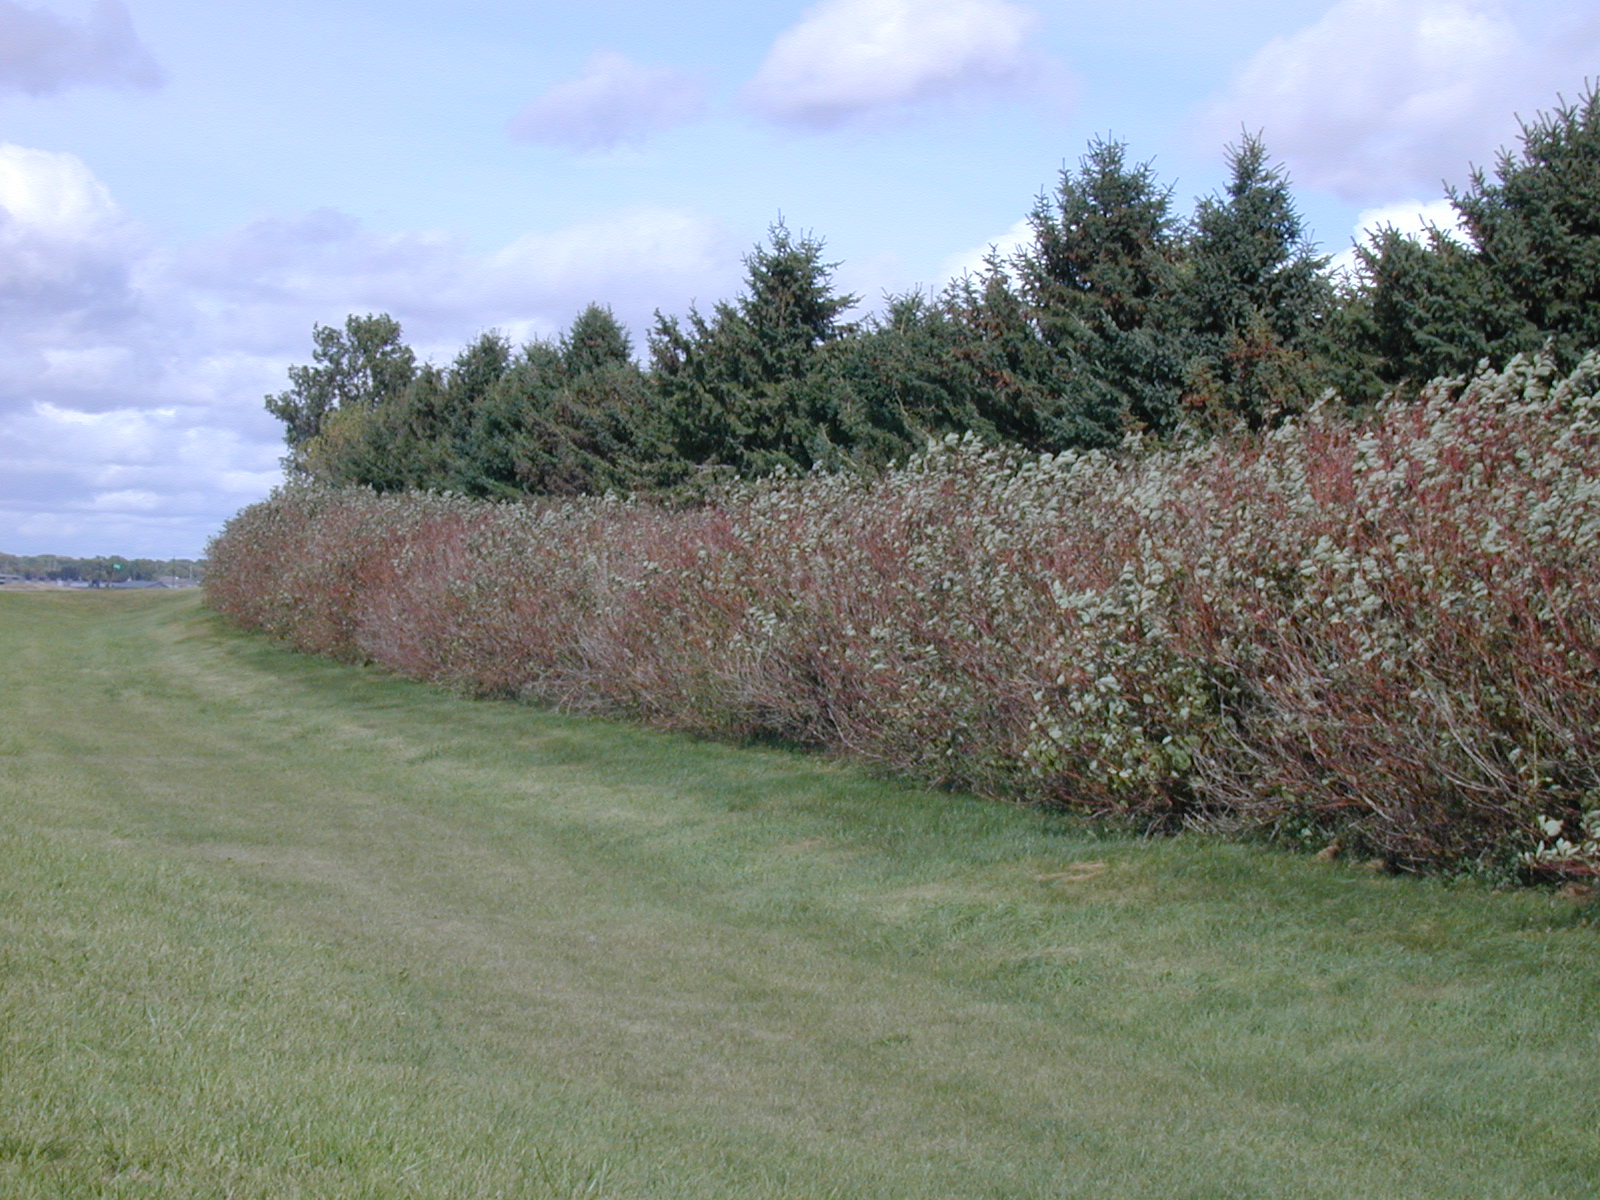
(132, 375)
(974, 260)
(1414, 218)
(1383, 97)
(848, 59)
(42, 52)
(66, 254)
(615, 102)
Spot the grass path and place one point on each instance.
(273, 927)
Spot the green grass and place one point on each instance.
(274, 927)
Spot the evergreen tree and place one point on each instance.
(418, 438)
(1428, 307)
(595, 340)
(725, 383)
(594, 435)
(423, 439)
(1104, 244)
(567, 418)
(1256, 297)
(881, 393)
(1024, 389)
(1536, 226)
(407, 436)
(474, 374)
(789, 307)
(1526, 272)
(1101, 277)
(496, 444)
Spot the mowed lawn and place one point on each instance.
(275, 927)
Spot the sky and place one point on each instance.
(187, 188)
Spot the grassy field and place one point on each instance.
(272, 927)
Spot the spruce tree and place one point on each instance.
(1101, 278)
(595, 340)
(567, 417)
(1523, 272)
(444, 408)
(881, 393)
(1430, 306)
(1536, 225)
(725, 382)
(501, 439)
(1024, 389)
(1256, 297)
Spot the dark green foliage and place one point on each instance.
(595, 341)
(420, 438)
(1117, 317)
(898, 381)
(476, 372)
(1256, 297)
(789, 307)
(726, 383)
(1431, 308)
(1537, 225)
(564, 419)
(1020, 386)
(1526, 276)
(497, 440)
(362, 366)
(1104, 246)
(1102, 277)
(590, 433)
(569, 417)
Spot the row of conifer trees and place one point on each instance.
(1120, 315)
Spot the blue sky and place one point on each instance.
(186, 188)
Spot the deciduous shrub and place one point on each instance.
(1386, 632)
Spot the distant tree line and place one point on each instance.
(101, 569)
(1118, 316)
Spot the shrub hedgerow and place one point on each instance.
(1385, 631)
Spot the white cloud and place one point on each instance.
(116, 436)
(615, 102)
(251, 289)
(636, 261)
(130, 372)
(42, 52)
(974, 261)
(152, 481)
(60, 231)
(88, 368)
(67, 300)
(130, 500)
(849, 58)
(1386, 96)
(53, 193)
(1414, 218)
(255, 286)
